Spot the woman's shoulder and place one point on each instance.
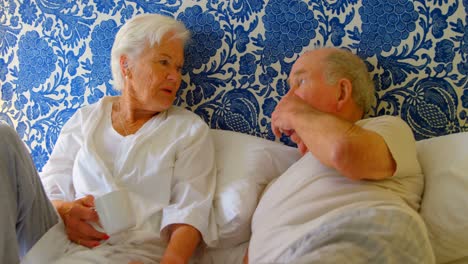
(102, 102)
(185, 121)
(185, 114)
(90, 112)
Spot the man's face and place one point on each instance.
(308, 82)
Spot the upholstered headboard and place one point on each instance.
(55, 58)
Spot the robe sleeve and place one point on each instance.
(57, 174)
(194, 185)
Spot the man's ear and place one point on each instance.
(345, 93)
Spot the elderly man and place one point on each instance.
(354, 195)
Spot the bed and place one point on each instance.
(443, 208)
(54, 60)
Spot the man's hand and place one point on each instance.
(76, 216)
(282, 119)
(300, 144)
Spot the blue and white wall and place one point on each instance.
(54, 58)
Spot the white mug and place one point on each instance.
(115, 211)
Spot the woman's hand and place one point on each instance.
(77, 216)
(183, 240)
(246, 257)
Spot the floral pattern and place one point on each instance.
(289, 27)
(385, 24)
(54, 58)
(36, 61)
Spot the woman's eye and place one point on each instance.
(164, 62)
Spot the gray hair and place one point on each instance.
(342, 63)
(139, 31)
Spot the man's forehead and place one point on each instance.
(298, 71)
(302, 65)
(308, 61)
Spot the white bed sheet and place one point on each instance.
(232, 255)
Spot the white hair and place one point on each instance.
(138, 32)
(342, 63)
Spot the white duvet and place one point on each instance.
(377, 234)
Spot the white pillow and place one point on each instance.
(444, 207)
(245, 164)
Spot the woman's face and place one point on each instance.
(155, 76)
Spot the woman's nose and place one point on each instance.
(173, 75)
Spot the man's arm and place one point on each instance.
(182, 244)
(355, 152)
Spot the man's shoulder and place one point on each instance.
(388, 118)
(383, 120)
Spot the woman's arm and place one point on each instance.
(76, 216)
(183, 241)
(56, 175)
(193, 186)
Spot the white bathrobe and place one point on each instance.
(167, 166)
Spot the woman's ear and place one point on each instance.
(124, 66)
(345, 93)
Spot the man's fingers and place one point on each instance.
(276, 131)
(303, 148)
(295, 138)
(274, 127)
(288, 132)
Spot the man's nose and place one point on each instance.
(291, 90)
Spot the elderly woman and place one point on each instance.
(160, 154)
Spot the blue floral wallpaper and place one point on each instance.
(55, 58)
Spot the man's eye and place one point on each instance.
(164, 62)
(299, 82)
